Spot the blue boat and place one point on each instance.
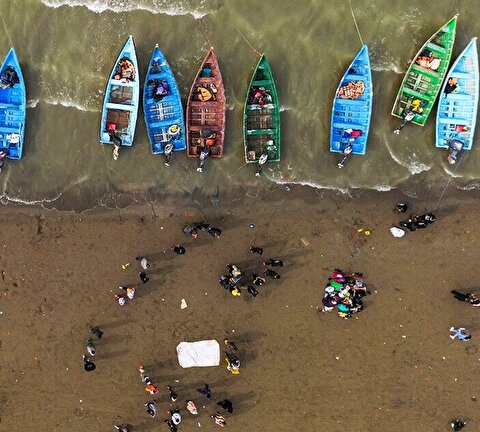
(120, 104)
(457, 108)
(13, 107)
(162, 106)
(352, 107)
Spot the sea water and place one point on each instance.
(67, 49)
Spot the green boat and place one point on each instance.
(424, 78)
(261, 116)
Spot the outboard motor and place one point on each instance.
(455, 146)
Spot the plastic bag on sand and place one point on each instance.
(397, 232)
(198, 354)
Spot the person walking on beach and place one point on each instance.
(173, 395)
(214, 232)
(219, 419)
(88, 365)
(460, 334)
(205, 390)
(143, 262)
(192, 409)
(226, 405)
(273, 262)
(151, 408)
(143, 277)
(90, 347)
(96, 332)
(178, 249)
(271, 273)
(256, 250)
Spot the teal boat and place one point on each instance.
(120, 104)
(458, 104)
(13, 107)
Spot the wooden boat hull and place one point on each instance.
(261, 122)
(206, 110)
(457, 111)
(120, 104)
(162, 115)
(353, 112)
(421, 85)
(13, 108)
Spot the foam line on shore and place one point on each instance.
(100, 6)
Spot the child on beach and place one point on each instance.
(143, 277)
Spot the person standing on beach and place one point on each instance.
(173, 395)
(271, 273)
(226, 405)
(205, 391)
(96, 332)
(90, 347)
(151, 408)
(219, 419)
(143, 277)
(274, 262)
(178, 249)
(88, 365)
(143, 262)
(215, 232)
(256, 250)
(191, 230)
(192, 409)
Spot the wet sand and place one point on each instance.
(391, 368)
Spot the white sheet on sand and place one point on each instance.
(198, 354)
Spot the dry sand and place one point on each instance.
(391, 368)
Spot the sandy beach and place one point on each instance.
(391, 368)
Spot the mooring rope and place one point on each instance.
(355, 22)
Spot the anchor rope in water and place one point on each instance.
(200, 23)
(355, 21)
(459, 25)
(448, 183)
(6, 29)
(249, 44)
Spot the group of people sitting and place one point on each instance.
(351, 90)
(417, 222)
(160, 89)
(8, 78)
(344, 291)
(205, 92)
(125, 71)
(428, 61)
(259, 96)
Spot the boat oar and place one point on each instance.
(347, 151)
(407, 119)
(167, 151)
(203, 158)
(261, 163)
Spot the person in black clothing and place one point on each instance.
(257, 250)
(226, 405)
(402, 207)
(178, 249)
(274, 262)
(271, 274)
(202, 226)
(97, 332)
(88, 365)
(468, 297)
(143, 277)
(251, 290)
(205, 391)
(215, 232)
(257, 280)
